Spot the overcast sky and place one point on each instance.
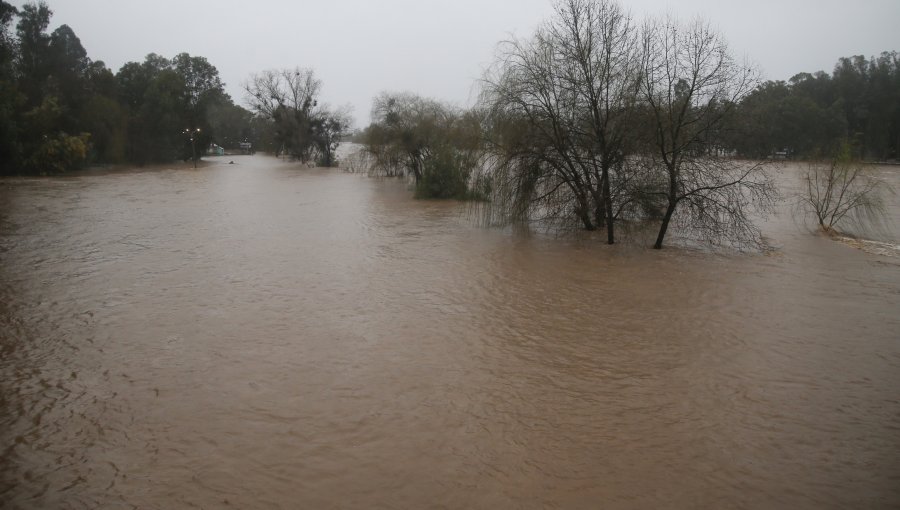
(438, 48)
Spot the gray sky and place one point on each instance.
(438, 48)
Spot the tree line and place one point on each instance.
(60, 110)
(815, 114)
(598, 119)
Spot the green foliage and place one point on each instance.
(47, 150)
(776, 118)
(7, 45)
(435, 144)
(10, 104)
(107, 122)
(157, 114)
(33, 51)
(812, 113)
(445, 174)
(49, 87)
(230, 123)
(164, 98)
(58, 153)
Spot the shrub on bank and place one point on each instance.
(59, 153)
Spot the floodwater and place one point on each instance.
(263, 335)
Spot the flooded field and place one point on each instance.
(263, 335)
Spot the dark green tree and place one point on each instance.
(230, 124)
(10, 99)
(34, 47)
(203, 89)
(156, 100)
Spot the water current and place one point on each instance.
(264, 335)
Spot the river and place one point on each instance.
(263, 335)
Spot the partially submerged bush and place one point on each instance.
(59, 153)
(445, 175)
(437, 145)
(843, 192)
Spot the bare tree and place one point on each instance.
(842, 191)
(600, 39)
(438, 145)
(304, 127)
(691, 82)
(270, 90)
(562, 105)
(404, 132)
(358, 162)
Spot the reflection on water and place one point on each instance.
(264, 335)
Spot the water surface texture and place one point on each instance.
(262, 335)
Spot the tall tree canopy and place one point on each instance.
(60, 110)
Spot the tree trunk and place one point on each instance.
(417, 172)
(583, 212)
(586, 220)
(607, 201)
(600, 214)
(599, 205)
(662, 228)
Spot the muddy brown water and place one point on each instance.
(261, 335)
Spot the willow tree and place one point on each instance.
(405, 131)
(436, 144)
(690, 84)
(561, 109)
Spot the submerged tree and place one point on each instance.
(596, 120)
(690, 84)
(437, 145)
(405, 130)
(562, 109)
(842, 191)
(303, 128)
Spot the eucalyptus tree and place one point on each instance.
(33, 48)
(7, 45)
(9, 152)
(157, 107)
(67, 68)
